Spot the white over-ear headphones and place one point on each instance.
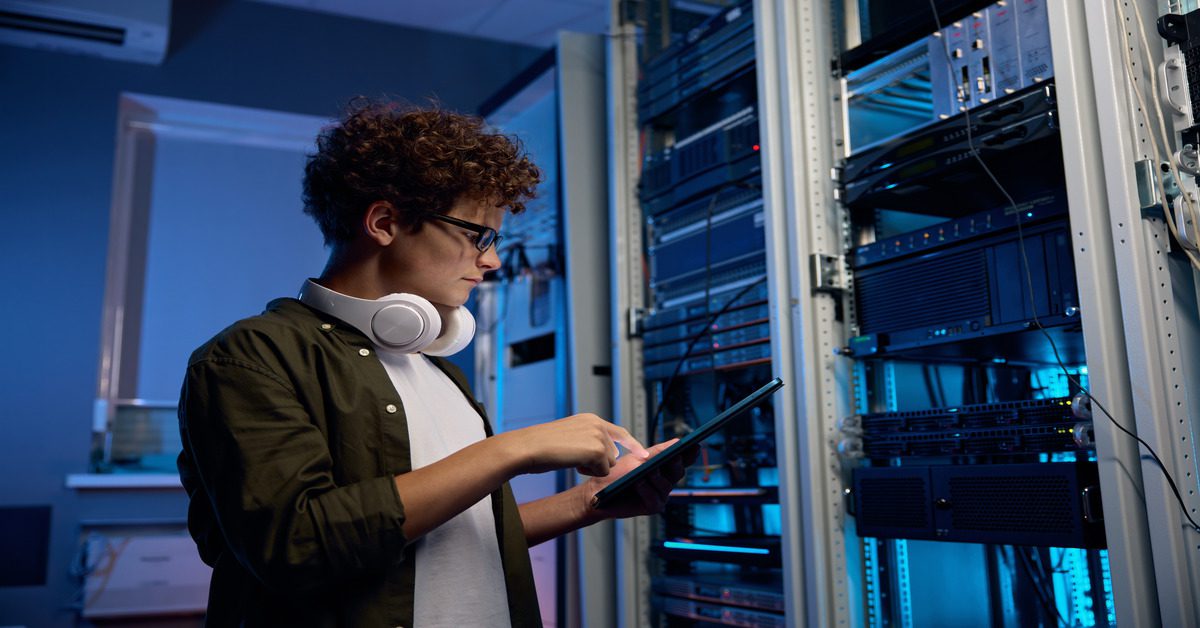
(399, 322)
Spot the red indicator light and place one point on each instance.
(755, 147)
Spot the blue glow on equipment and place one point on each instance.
(714, 548)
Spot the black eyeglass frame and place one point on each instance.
(488, 236)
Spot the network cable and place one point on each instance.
(691, 345)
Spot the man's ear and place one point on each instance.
(380, 224)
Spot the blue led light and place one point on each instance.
(886, 166)
(1029, 215)
(890, 186)
(714, 548)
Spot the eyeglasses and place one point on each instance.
(485, 237)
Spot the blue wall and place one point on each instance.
(57, 131)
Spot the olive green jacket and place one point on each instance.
(292, 432)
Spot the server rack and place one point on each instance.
(692, 310)
(1098, 120)
(1134, 304)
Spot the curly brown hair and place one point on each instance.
(420, 160)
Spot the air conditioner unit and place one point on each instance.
(126, 30)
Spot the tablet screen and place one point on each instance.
(616, 490)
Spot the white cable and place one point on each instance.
(1157, 150)
(1188, 205)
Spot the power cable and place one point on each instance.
(1045, 596)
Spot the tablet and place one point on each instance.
(615, 491)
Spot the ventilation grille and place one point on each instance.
(929, 292)
(894, 502)
(1013, 503)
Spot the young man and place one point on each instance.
(339, 471)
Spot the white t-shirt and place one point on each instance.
(459, 576)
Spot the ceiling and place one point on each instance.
(529, 22)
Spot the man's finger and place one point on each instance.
(597, 470)
(656, 449)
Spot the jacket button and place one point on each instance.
(391, 408)
(364, 352)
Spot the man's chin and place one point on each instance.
(447, 305)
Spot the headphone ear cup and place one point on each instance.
(407, 323)
(459, 332)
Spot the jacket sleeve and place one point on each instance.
(265, 468)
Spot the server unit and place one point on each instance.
(1041, 504)
(987, 429)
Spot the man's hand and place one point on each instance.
(652, 493)
(583, 441)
